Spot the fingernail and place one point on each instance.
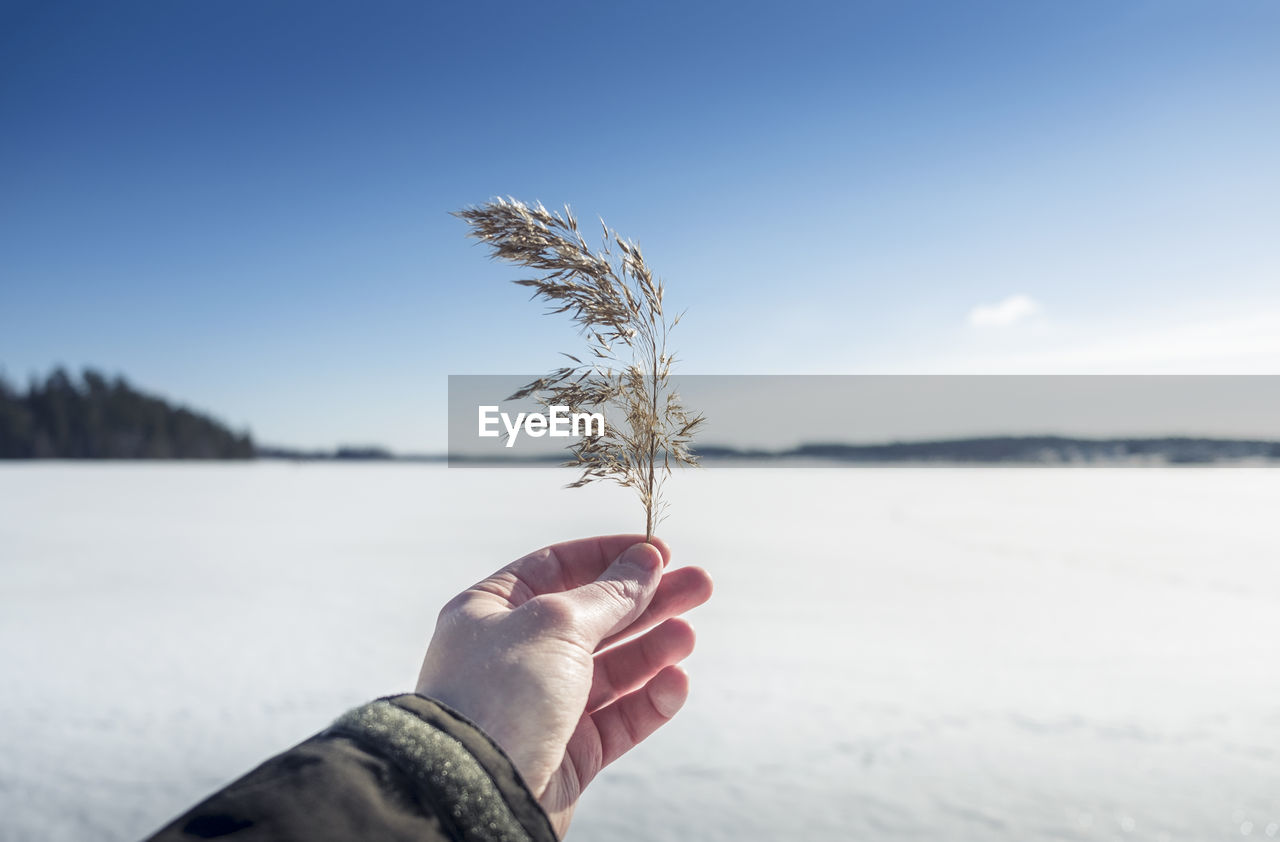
(643, 557)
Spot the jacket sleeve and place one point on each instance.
(400, 768)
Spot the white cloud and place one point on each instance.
(1240, 344)
(1014, 309)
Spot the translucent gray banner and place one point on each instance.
(844, 420)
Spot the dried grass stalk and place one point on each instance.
(617, 304)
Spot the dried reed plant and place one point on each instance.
(617, 304)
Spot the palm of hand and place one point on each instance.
(528, 655)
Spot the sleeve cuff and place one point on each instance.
(464, 773)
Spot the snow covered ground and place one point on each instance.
(964, 654)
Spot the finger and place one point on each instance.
(630, 720)
(582, 756)
(612, 602)
(679, 591)
(586, 558)
(561, 567)
(630, 666)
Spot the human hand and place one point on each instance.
(528, 655)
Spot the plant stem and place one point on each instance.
(653, 441)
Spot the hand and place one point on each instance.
(523, 655)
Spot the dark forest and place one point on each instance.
(94, 417)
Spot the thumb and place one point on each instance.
(610, 603)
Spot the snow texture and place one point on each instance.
(895, 653)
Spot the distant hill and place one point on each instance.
(343, 453)
(1026, 450)
(994, 450)
(97, 418)
(1044, 450)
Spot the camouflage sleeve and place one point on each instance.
(401, 768)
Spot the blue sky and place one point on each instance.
(244, 206)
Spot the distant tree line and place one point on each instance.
(1046, 450)
(97, 418)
